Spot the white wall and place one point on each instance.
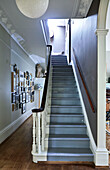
(58, 43)
(11, 53)
(67, 40)
(108, 42)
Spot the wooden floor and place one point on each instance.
(15, 153)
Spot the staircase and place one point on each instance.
(67, 139)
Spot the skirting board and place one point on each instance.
(100, 156)
(92, 142)
(7, 131)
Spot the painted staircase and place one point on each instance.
(67, 139)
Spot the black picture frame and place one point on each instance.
(20, 105)
(23, 97)
(13, 98)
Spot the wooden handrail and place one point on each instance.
(84, 84)
(45, 86)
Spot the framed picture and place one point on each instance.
(17, 90)
(26, 89)
(13, 99)
(13, 82)
(22, 89)
(16, 106)
(17, 79)
(20, 105)
(23, 108)
(13, 107)
(23, 97)
(27, 96)
(17, 99)
(20, 98)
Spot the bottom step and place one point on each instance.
(72, 154)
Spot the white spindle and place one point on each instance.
(34, 133)
(39, 135)
(37, 131)
(43, 129)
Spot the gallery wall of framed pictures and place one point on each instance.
(22, 89)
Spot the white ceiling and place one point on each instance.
(30, 29)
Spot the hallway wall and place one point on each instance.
(58, 42)
(11, 53)
(84, 43)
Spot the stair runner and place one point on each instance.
(67, 140)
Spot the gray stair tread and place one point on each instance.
(65, 92)
(62, 105)
(67, 124)
(63, 77)
(68, 136)
(70, 151)
(65, 98)
(58, 72)
(66, 114)
(59, 66)
(63, 88)
(66, 106)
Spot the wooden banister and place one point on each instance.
(45, 86)
(84, 84)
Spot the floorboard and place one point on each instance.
(15, 153)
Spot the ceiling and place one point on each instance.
(28, 32)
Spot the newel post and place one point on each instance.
(101, 156)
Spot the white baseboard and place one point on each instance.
(100, 155)
(8, 130)
(92, 142)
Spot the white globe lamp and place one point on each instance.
(32, 8)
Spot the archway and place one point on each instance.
(101, 156)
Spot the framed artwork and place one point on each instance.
(23, 97)
(27, 96)
(17, 79)
(13, 107)
(23, 108)
(13, 81)
(13, 99)
(17, 90)
(20, 105)
(17, 99)
(20, 98)
(22, 87)
(16, 106)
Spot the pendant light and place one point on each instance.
(32, 8)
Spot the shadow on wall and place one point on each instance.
(84, 43)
